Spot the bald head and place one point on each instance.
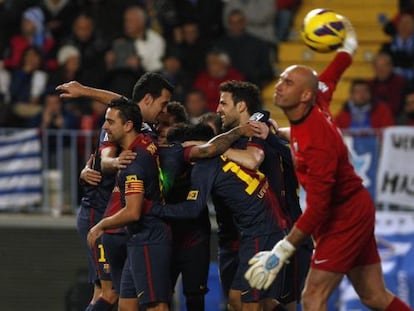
(306, 76)
(296, 90)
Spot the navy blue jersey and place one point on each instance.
(97, 197)
(289, 186)
(244, 192)
(141, 176)
(176, 180)
(277, 165)
(227, 232)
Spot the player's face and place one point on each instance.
(113, 125)
(157, 106)
(289, 89)
(227, 109)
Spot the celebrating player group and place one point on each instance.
(144, 218)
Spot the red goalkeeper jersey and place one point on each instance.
(321, 158)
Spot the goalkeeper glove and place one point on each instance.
(350, 43)
(264, 266)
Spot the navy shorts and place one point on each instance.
(228, 259)
(115, 245)
(98, 266)
(296, 272)
(146, 273)
(248, 248)
(193, 264)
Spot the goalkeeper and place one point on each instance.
(339, 213)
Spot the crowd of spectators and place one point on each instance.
(195, 44)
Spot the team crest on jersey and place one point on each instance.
(322, 87)
(295, 146)
(192, 195)
(133, 184)
(152, 148)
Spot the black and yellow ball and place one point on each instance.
(323, 30)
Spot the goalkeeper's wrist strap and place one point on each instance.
(284, 249)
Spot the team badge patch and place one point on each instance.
(192, 195)
(133, 185)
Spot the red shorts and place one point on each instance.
(348, 239)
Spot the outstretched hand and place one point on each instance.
(72, 89)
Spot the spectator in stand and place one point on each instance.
(285, 13)
(407, 115)
(32, 33)
(401, 48)
(96, 118)
(53, 114)
(218, 70)
(207, 13)
(173, 72)
(260, 17)
(387, 86)
(59, 17)
(9, 22)
(196, 105)
(6, 115)
(249, 54)
(192, 48)
(69, 62)
(390, 25)
(162, 17)
(5, 80)
(92, 47)
(107, 15)
(138, 43)
(361, 111)
(28, 84)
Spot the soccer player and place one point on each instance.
(149, 245)
(238, 102)
(191, 237)
(339, 214)
(151, 93)
(246, 195)
(97, 190)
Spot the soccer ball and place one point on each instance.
(323, 30)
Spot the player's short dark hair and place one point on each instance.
(211, 118)
(183, 132)
(244, 91)
(128, 111)
(177, 111)
(150, 83)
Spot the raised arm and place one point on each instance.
(75, 89)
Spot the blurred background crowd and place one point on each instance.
(110, 44)
(196, 44)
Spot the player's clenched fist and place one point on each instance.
(264, 266)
